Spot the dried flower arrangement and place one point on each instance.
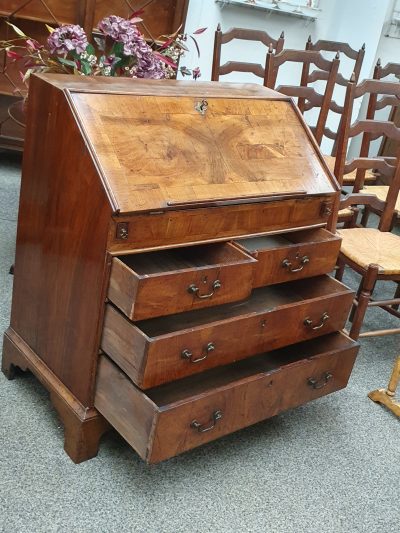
(118, 49)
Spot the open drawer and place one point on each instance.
(173, 418)
(289, 256)
(164, 349)
(172, 281)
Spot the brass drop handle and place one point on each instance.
(187, 354)
(309, 323)
(320, 384)
(194, 289)
(302, 261)
(202, 428)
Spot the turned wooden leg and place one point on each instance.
(386, 396)
(365, 216)
(340, 266)
(397, 295)
(367, 286)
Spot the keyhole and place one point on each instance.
(205, 279)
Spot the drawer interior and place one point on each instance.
(266, 363)
(272, 242)
(187, 258)
(260, 301)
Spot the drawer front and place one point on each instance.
(173, 281)
(161, 428)
(297, 255)
(174, 228)
(151, 361)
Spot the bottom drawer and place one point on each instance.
(176, 417)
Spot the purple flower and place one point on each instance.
(66, 39)
(119, 29)
(147, 65)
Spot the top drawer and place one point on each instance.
(290, 256)
(162, 283)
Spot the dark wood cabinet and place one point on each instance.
(172, 259)
(161, 17)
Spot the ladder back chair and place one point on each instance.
(304, 57)
(357, 56)
(374, 254)
(240, 66)
(370, 128)
(381, 191)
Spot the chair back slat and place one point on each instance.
(336, 46)
(370, 163)
(302, 56)
(314, 99)
(244, 35)
(376, 127)
(319, 75)
(305, 95)
(238, 66)
(388, 70)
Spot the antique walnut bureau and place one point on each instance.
(172, 258)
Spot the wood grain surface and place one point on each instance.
(159, 424)
(238, 148)
(151, 351)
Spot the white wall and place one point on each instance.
(352, 21)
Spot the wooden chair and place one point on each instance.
(239, 66)
(364, 168)
(370, 128)
(304, 57)
(373, 253)
(316, 75)
(381, 191)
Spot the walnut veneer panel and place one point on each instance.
(60, 264)
(159, 423)
(239, 148)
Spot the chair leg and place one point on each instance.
(365, 216)
(397, 295)
(340, 265)
(386, 396)
(367, 286)
(354, 306)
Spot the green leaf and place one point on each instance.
(90, 50)
(86, 68)
(118, 49)
(66, 62)
(17, 30)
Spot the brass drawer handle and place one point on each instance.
(309, 323)
(302, 261)
(202, 428)
(315, 384)
(187, 354)
(193, 289)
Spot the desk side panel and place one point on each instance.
(60, 266)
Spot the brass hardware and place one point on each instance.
(326, 209)
(303, 261)
(201, 107)
(386, 397)
(320, 384)
(187, 354)
(193, 289)
(201, 428)
(309, 323)
(122, 230)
